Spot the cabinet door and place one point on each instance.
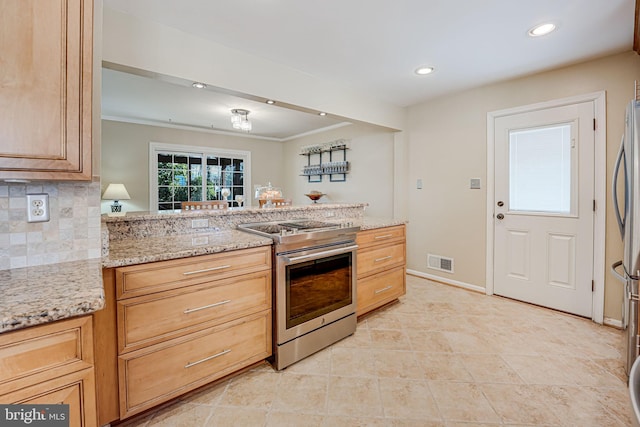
(45, 89)
(76, 390)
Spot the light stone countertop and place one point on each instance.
(132, 251)
(34, 295)
(149, 249)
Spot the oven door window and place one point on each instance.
(318, 287)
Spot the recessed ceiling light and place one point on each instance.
(199, 85)
(270, 101)
(422, 71)
(541, 30)
(322, 113)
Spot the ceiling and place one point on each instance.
(372, 46)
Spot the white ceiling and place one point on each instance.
(374, 46)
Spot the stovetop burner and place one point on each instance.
(304, 231)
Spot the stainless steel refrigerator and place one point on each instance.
(627, 169)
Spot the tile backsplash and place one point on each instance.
(71, 234)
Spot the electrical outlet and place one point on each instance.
(37, 207)
(200, 223)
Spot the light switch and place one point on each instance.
(475, 184)
(419, 184)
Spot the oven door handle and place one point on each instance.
(320, 254)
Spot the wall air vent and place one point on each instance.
(441, 263)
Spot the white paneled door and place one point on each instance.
(544, 192)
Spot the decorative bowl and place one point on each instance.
(314, 196)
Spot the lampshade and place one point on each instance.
(116, 192)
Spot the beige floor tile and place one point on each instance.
(489, 368)
(252, 390)
(561, 370)
(181, 414)
(236, 417)
(356, 397)
(288, 419)
(399, 422)
(615, 401)
(345, 421)
(352, 362)
(580, 406)
(397, 364)
(526, 404)
(408, 399)
(443, 366)
(302, 394)
(389, 339)
(462, 402)
(428, 341)
(384, 320)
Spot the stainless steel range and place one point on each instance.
(314, 285)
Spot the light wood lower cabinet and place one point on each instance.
(51, 364)
(172, 326)
(381, 267)
(158, 373)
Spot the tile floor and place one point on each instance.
(443, 356)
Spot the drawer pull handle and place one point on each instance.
(386, 236)
(191, 310)
(188, 273)
(383, 258)
(379, 291)
(222, 353)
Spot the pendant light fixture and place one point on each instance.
(239, 119)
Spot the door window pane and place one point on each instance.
(540, 169)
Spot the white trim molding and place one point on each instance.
(446, 281)
(600, 182)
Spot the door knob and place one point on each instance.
(500, 216)
(501, 203)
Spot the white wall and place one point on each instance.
(447, 147)
(125, 157)
(371, 177)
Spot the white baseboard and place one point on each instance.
(441, 279)
(615, 323)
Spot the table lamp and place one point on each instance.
(116, 192)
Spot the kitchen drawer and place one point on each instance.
(153, 318)
(380, 258)
(143, 279)
(380, 236)
(39, 353)
(159, 373)
(76, 390)
(379, 289)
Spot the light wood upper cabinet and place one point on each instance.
(45, 89)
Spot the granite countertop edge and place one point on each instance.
(46, 293)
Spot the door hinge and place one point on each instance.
(594, 124)
(594, 205)
(593, 286)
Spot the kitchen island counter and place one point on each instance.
(133, 251)
(46, 293)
